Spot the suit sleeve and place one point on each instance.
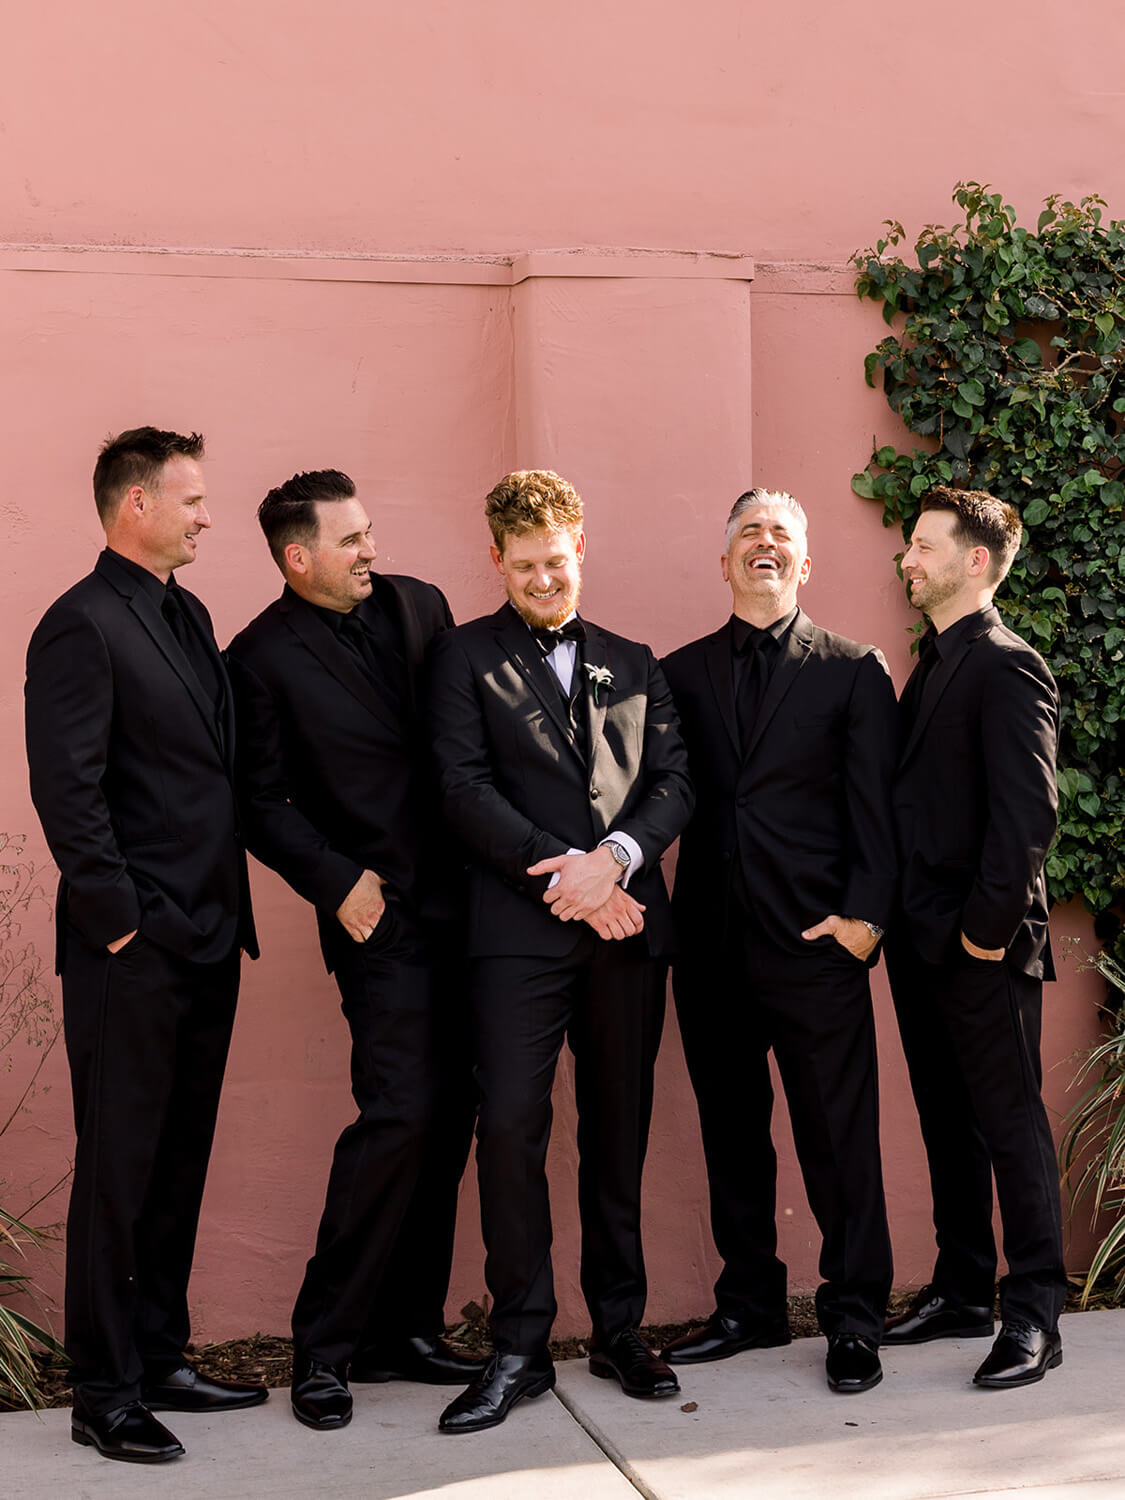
(69, 720)
(667, 799)
(277, 832)
(1019, 732)
(869, 753)
(490, 827)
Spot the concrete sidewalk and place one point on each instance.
(763, 1425)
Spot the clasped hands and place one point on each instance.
(587, 891)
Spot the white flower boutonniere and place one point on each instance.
(600, 677)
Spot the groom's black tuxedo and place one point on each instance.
(333, 771)
(130, 743)
(792, 825)
(525, 775)
(975, 808)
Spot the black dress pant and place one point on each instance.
(385, 1242)
(147, 1035)
(970, 1030)
(813, 1009)
(607, 1000)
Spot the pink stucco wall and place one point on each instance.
(359, 186)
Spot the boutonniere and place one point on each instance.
(600, 677)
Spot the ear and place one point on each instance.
(497, 557)
(724, 564)
(806, 569)
(980, 561)
(580, 546)
(136, 498)
(296, 558)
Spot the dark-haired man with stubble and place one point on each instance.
(975, 807)
(563, 773)
(336, 799)
(130, 743)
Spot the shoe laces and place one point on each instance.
(629, 1342)
(1022, 1330)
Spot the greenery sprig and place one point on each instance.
(1008, 360)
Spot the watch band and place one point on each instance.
(619, 852)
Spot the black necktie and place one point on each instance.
(548, 640)
(174, 610)
(928, 658)
(752, 680)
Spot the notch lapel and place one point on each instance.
(794, 656)
(521, 649)
(336, 659)
(156, 625)
(939, 679)
(716, 650)
(597, 654)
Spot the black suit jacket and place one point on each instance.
(806, 812)
(333, 777)
(976, 800)
(132, 773)
(517, 788)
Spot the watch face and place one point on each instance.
(620, 854)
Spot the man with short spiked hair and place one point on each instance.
(975, 803)
(563, 774)
(130, 742)
(784, 882)
(337, 799)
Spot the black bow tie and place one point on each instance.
(548, 640)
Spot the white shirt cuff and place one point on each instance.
(632, 849)
(554, 880)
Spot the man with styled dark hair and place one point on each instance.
(336, 799)
(563, 773)
(975, 802)
(130, 743)
(784, 882)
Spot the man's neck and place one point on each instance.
(765, 614)
(949, 613)
(122, 547)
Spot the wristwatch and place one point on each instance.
(619, 852)
(873, 928)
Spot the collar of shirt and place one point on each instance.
(561, 660)
(945, 640)
(152, 585)
(742, 632)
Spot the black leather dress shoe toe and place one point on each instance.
(130, 1433)
(430, 1361)
(852, 1364)
(932, 1316)
(186, 1389)
(506, 1379)
(320, 1395)
(721, 1337)
(628, 1359)
(1021, 1355)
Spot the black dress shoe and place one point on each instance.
(932, 1316)
(186, 1389)
(721, 1337)
(1021, 1355)
(852, 1364)
(130, 1433)
(506, 1379)
(321, 1398)
(627, 1358)
(430, 1361)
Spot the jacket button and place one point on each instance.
(594, 794)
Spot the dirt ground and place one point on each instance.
(269, 1359)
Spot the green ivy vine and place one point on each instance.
(1007, 360)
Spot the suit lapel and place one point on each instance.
(413, 643)
(336, 659)
(597, 696)
(156, 625)
(224, 711)
(524, 653)
(940, 678)
(716, 650)
(794, 655)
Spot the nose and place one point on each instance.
(367, 549)
(203, 518)
(542, 580)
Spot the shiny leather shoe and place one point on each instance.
(506, 1379)
(852, 1364)
(320, 1395)
(932, 1316)
(721, 1337)
(429, 1361)
(186, 1389)
(628, 1359)
(130, 1433)
(1021, 1355)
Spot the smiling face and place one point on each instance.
(162, 520)
(940, 568)
(334, 570)
(766, 563)
(542, 572)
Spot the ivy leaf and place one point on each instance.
(1026, 350)
(1036, 512)
(1103, 322)
(971, 391)
(864, 485)
(870, 365)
